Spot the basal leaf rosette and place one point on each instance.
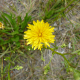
(39, 34)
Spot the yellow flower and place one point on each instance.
(39, 34)
(1, 26)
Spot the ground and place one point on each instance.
(64, 33)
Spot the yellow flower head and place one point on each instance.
(39, 34)
(1, 26)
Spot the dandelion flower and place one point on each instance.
(1, 26)
(39, 34)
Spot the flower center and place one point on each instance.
(40, 34)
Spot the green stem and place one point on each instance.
(62, 56)
(42, 56)
(51, 57)
(9, 72)
(2, 69)
(2, 54)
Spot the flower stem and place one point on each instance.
(62, 56)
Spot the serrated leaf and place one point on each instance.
(11, 21)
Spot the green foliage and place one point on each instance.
(55, 9)
(46, 69)
(76, 73)
(76, 52)
(17, 67)
(24, 23)
(63, 45)
(42, 56)
(11, 40)
(13, 29)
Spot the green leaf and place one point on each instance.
(5, 42)
(46, 69)
(11, 21)
(19, 20)
(5, 21)
(15, 38)
(77, 51)
(18, 44)
(3, 31)
(14, 33)
(1, 19)
(25, 22)
(6, 67)
(1, 39)
(63, 45)
(7, 58)
(76, 75)
(17, 67)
